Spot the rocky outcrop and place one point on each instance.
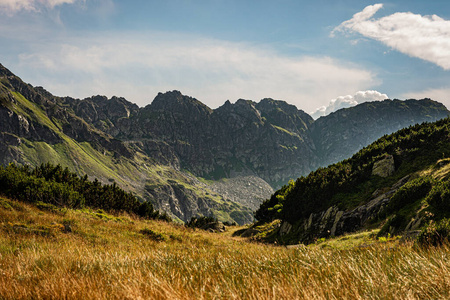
(103, 113)
(249, 191)
(214, 227)
(334, 222)
(185, 202)
(384, 167)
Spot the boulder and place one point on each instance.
(384, 167)
(214, 227)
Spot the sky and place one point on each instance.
(318, 55)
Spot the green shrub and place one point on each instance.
(57, 186)
(198, 222)
(158, 237)
(439, 197)
(435, 234)
(411, 192)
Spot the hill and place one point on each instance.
(398, 183)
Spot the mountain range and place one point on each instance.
(184, 157)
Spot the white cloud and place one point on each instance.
(12, 6)
(424, 37)
(441, 95)
(139, 66)
(348, 101)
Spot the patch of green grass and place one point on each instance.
(155, 236)
(350, 241)
(284, 130)
(33, 112)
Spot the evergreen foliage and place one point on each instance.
(350, 182)
(439, 197)
(435, 234)
(199, 222)
(411, 192)
(60, 187)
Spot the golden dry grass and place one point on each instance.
(112, 259)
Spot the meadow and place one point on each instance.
(54, 253)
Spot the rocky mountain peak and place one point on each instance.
(268, 104)
(174, 101)
(284, 115)
(5, 72)
(241, 114)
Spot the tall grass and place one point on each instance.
(101, 258)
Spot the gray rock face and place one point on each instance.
(334, 222)
(250, 191)
(214, 227)
(184, 203)
(384, 167)
(266, 139)
(233, 140)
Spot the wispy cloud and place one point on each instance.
(424, 37)
(10, 7)
(348, 101)
(139, 66)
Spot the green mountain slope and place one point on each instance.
(399, 183)
(37, 128)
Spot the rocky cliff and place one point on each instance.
(268, 139)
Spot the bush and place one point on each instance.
(53, 185)
(199, 222)
(439, 197)
(435, 234)
(411, 192)
(158, 237)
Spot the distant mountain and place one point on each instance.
(342, 133)
(179, 153)
(270, 139)
(267, 139)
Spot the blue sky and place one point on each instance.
(314, 54)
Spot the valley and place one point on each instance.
(185, 158)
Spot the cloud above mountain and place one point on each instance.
(139, 66)
(348, 101)
(424, 37)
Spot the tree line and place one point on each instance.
(58, 186)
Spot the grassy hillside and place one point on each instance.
(420, 153)
(73, 254)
